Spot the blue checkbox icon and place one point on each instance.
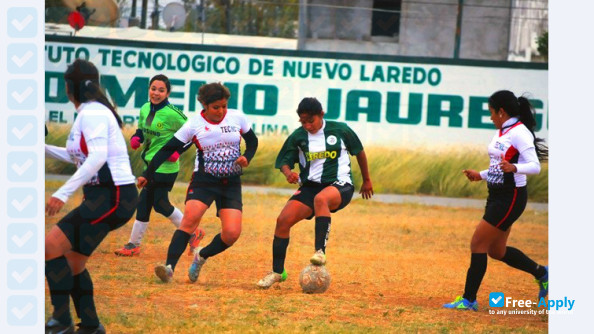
(496, 299)
(21, 274)
(22, 22)
(22, 94)
(21, 131)
(21, 310)
(21, 58)
(22, 166)
(21, 202)
(21, 238)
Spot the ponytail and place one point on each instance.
(82, 80)
(526, 116)
(520, 107)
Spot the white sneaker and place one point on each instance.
(319, 258)
(165, 273)
(196, 265)
(272, 278)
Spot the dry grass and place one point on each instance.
(392, 268)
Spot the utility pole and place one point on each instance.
(458, 29)
(302, 34)
(143, 14)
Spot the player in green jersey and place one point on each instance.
(322, 150)
(158, 122)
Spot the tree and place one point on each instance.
(543, 45)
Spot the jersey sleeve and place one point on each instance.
(522, 139)
(186, 132)
(179, 118)
(244, 123)
(351, 140)
(141, 119)
(289, 153)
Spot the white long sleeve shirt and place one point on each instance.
(97, 147)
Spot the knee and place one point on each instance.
(496, 253)
(163, 207)
(283, 225)
(230, 236)
(320, 201)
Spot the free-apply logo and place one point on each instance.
(496, 299)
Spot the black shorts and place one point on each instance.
(225, 192)
(306, 193)
(505, 206)
(104, 209)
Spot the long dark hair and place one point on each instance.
(522, 108)
(82, 80)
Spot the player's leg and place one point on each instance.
(293, 212)
(330, 199)
(484, 236)
(161, 203)
(193, 213)
(59, 278)
(143, 213)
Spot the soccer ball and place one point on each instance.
(314, 279)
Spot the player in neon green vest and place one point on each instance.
(158, 122)
(322, 149)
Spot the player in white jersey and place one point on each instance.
(322, 149)
(217, 133)
(514, 152)
(97, 147)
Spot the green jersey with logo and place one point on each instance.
(157, 130)
(323, 157)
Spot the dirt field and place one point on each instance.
(392, 268)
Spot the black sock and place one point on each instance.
(177, 247)
(215, 247)
(515, 258)
(475, 274)
(82, 296)
(279, 253)
(59, 281)
(322, 232)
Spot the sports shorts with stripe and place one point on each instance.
(104, 209)
(308, 191)
(225, 192)
(505, 206)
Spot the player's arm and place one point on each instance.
(285, 161)
(251, 145)
(58, 153)
(366, 187)
(171, 147)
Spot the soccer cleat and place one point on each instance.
(194, 241)
(272, 278)
(129, 249)
(196, 265)
(319, 258)
(462, 304)
(90, 330)
(165, 273)
(543, 284)
(53, 326)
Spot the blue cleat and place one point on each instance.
(196, 265)
(543, 284)
(462, 304)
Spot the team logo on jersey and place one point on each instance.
(160, 126)
(206, 128)
(320, 155)
(499, 146)
(331, 140)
